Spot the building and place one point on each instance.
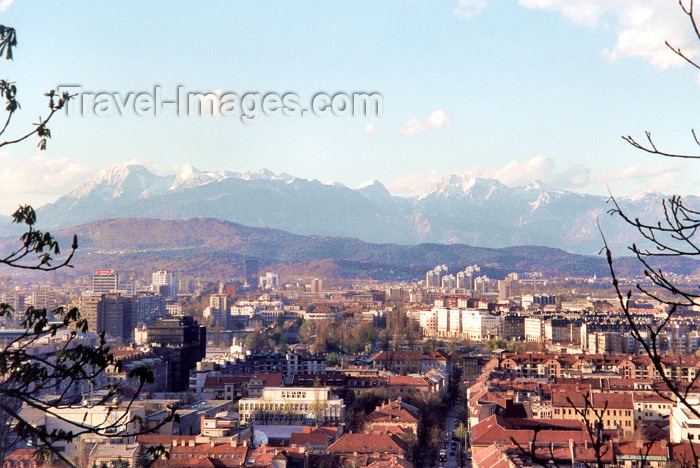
(251, 273)
(391, 414)
(149, 308)
(534, 329)
(316, 285)
(505, 289)
(111, 313)
(269, 281)
(105, 281)
(684, 425)
(164, 283)
(513, 327)
(614, 410)
(44, 298)
(479, 325)
(181, 342)
(293, 406)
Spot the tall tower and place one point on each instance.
(251, 272)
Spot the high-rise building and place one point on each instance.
(149, 308)
(163, 282)
(181, 342)
(105, 281)
(110, 313)
(317, 285)
(251, 273)
(505, 289)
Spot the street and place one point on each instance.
(454, 448)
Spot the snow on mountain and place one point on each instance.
(461, 185)
(458, 208)
(120, 180)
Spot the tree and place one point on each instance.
(8, 89)
(674, 236)
(33, 379)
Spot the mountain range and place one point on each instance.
(212, 248)
(455, 210)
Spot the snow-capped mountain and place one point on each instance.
(457, 209)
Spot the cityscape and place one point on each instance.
(342, 235)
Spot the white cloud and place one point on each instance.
(370, 129)
(435, 121)
(5, 4)
(641, 26)
(515, 173)
(39, 179)
(413, 184)
(468, 8)
(658, 178)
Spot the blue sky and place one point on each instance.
(520, 90)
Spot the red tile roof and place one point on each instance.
(368, 443)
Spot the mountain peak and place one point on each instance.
(111, 179)
(189, 176)
(462, 185)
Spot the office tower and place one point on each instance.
(105, 281)
(251, 273)
(181, 342)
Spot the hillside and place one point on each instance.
(216, 248)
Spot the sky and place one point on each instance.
(516, 90)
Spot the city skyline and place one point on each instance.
(516, 91)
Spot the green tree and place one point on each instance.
(255, 341)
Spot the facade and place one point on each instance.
(164, 283)
(316, 285)
(111, 313)
(534, 329)
(293, 406)
(684, 425)
(615, 410)
(251, 273)
(181, 342)
(105, 281)
(149, 308)
(513, 327)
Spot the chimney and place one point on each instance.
(572, 450)
(174, 442)
(234, 443)
(191, 443)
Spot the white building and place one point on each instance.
(534, 329)
(684, 425)
(479, 325)
(293, 406)
(269, 281)
(428, 322)
(163, 282)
